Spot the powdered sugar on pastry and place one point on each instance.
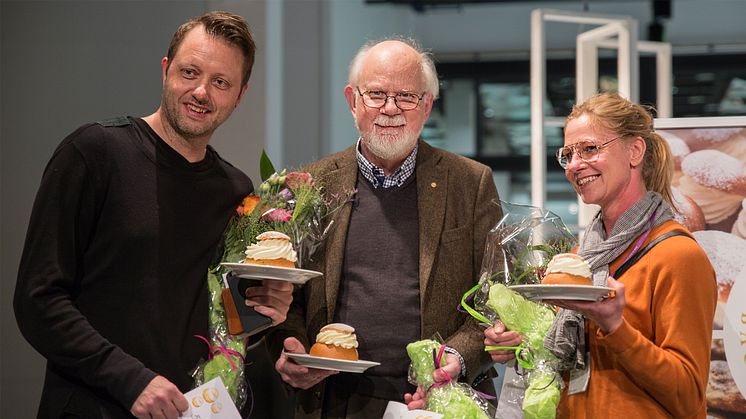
(726, 253)
(679, 149)
(714, 135)
(716, 169)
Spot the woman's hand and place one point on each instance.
(607, 313)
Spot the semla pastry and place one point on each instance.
(272, 248)
(568, 269)
(336, 340)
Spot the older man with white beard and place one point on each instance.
(401, 254)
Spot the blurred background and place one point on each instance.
(64, 63)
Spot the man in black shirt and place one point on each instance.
(112, 283)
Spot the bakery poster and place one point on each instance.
(710, 190)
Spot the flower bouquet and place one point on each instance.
(517, 251)
(452, 400)
(293, 203)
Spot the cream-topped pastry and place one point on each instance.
(568, 268)
(272, 248)
(336, 340)
(718, 170)
(730, 141)
(679, 150)
(725, 252)
(716, 205)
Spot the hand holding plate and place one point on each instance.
(294, 374)
(606, 312)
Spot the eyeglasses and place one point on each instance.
(588, 151)
(403, 100)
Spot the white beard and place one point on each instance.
(390, 146)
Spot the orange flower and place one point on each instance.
(247, 205)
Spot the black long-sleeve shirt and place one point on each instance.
(112, 283)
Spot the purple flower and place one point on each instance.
(286, 195)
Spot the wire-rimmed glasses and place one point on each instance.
(588, 151)
(376, 99)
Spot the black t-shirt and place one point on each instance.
(112, 282)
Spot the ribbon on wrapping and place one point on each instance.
(446, 378)
(468, 296)
(220, 349)
(523, 355)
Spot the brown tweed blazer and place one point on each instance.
(457, 204)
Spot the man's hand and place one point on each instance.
(296, 375)
(607, 312)
(416, 400)
(272, 299)
(448, 372)
(160, 399)
(498, 335)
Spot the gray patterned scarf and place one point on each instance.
(566, 338)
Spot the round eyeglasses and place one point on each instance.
(376, 99)
(588, 151)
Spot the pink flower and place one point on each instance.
(277, 215)
(296, 179)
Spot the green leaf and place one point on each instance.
(266, 168)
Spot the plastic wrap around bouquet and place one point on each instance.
(290, 202)
(451, 399)
(517, 251)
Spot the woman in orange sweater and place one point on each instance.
(648, 347)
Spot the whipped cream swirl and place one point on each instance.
(335, 337)
(571, 264)
(271, 249)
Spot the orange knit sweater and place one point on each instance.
(656, 364)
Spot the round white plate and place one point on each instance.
(562, 292)
(321, 363)
(278, 273)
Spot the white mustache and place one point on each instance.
(390, 121)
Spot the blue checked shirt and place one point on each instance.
(375, 174)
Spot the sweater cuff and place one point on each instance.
(136, 388)
(460, 359)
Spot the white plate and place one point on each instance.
(321, 363)
(278, 273)
(562, 292)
